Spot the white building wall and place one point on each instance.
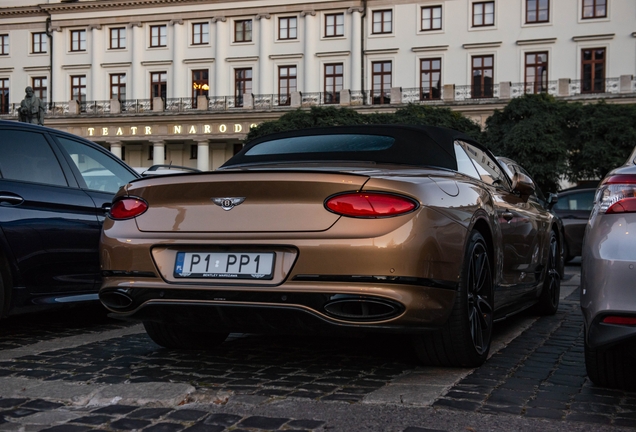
(508, 40)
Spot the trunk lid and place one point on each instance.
(270, 201)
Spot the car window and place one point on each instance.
(100, 171)
(488, 169)
(464, 164)
(27, 156)
(576, 201)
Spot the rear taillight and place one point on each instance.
(617, 194)
(370, 204)
(619, 320)
(126, 208)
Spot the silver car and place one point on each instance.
(608, 281)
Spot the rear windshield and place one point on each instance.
(322, 144)
(388, 145)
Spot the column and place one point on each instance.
(264, 66)
(97, 89)
(158, 152)
(115, 148)
(356, 48)
(220, 84)
(203, 155)
(311, 72)
(58, 76)
(135, 86)
(178, 81)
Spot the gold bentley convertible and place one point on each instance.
(404, 229)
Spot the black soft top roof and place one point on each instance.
(412, 145)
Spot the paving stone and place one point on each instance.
(339, 397)
(544, 413)
(493, 408)
(267, 423)
(225, 420)
(620, 421)
(93, 419)
(149, 413)
(588, 418)
(165, 427)
(18, 412)
(187, 414)
(8, 403)
(594, 408)
(457, 404)
(306, 424)
(202, 427)
(67, 428)
(40, 404)
(129, 424)
(115, 409)
(306, 394)
(419, 429)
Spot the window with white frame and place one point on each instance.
(287, 28)
(78, 40)
(431, 18)
(334, 25)
(484, 14)
(382, 21)
(158, 36)
(39, 42)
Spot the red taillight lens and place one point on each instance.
(617, 194)
(620, 320)
(370, 205)
(127, 208)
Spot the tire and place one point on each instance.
(548, 303)
(2, 295)
(613, 367)
(465, 339)
(179, 337)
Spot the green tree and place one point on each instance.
(337, 116)
(532, 131)
(302, 119)
(429, 116)
(600, 136)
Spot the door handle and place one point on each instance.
(507, 216)
(106, 207)
(11, 199)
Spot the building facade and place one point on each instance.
(182, 81)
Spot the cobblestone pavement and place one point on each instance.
(245, 384)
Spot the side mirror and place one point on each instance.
(523, 185)
(551, 201)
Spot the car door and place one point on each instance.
(49, 224)
(574, 208)
(517, 217)
(98, 172)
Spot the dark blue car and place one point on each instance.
(55, 189)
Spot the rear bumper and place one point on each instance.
(608, 278)
(298, 308)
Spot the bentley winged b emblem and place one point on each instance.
(228, 203)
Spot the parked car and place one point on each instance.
(574, 207)
(55, 190)
(608, 271)
(403, 229)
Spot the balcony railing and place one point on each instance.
(607, 87)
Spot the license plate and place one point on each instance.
(224, 265)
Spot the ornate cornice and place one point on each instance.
(22, 11)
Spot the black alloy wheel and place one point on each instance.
(480, 310)
(548, 303)
(465, 339)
